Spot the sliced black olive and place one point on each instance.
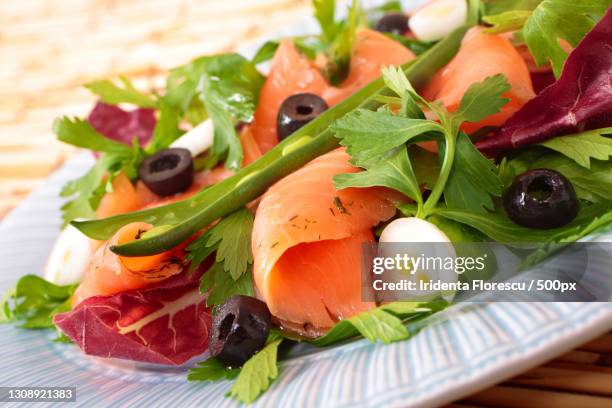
(296, 111)
(541, 198)
(239, 330)
(168, 171)
(394, 23)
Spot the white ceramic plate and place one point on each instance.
(461, 350)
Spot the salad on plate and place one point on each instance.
(224, 219)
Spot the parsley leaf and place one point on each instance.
(384, 323)
(584, 146)
(456, 179)
(482, 99)
(426, 166)
(467, 179)
(225, 140)
(559, 19)
(549, 22)
(257, 374)
(394, 172)
(378, 325)
(597, 224)
(220, 285)
(368, 135)
(226, 86)
(593, 184)
(78, 132)
(235, 82)
(231, 238)
(231, 272)
(265, 52)
(473, 179)
(228, 91)
(62, 338)
(114, 94)
(166, 129)
(87, 191)
(34, 301)
(212, 370)
(500, 228)
(396, 80)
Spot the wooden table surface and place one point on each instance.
(48, 48)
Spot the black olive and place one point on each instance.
(394, 23)
(168, 171)
(541, 198)
(239, 330)
(296, 111)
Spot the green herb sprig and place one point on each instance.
(376, 141)
(231, 272)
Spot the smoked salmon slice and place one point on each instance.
(127, 197)
(250, 148)
(306, 244)
(124, 197)
(293, 73)
(482, 55)
(290, 73)
(373, 51)
(109, 273)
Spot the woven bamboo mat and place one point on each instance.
(48, 48)
(581, 378)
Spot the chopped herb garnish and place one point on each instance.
(340, 206)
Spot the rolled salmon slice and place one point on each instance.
(317, 284)
(306, 244)
(480, 56)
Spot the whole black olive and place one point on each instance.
(239, 330)
(394, 23)
(541, 198)
(296, 111)
(168, 171)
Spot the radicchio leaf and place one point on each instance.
(121, 125)
(580, 99)
(166, 323)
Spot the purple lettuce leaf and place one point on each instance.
(121, 125)
(581, 99)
